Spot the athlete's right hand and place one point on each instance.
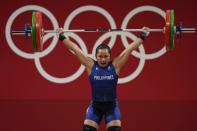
(60, 34)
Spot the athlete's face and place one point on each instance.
(103, 57)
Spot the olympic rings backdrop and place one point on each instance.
(155, 87)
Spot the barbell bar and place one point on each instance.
(36, 30)
(23, 32)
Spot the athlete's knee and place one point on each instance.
(114, 128)
(88, 128)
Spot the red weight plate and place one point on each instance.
(167, 30)
(39, 31)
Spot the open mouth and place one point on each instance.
(103, 64)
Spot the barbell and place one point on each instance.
(36, 30)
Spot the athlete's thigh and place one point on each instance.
(91, 115)
(114, 115)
